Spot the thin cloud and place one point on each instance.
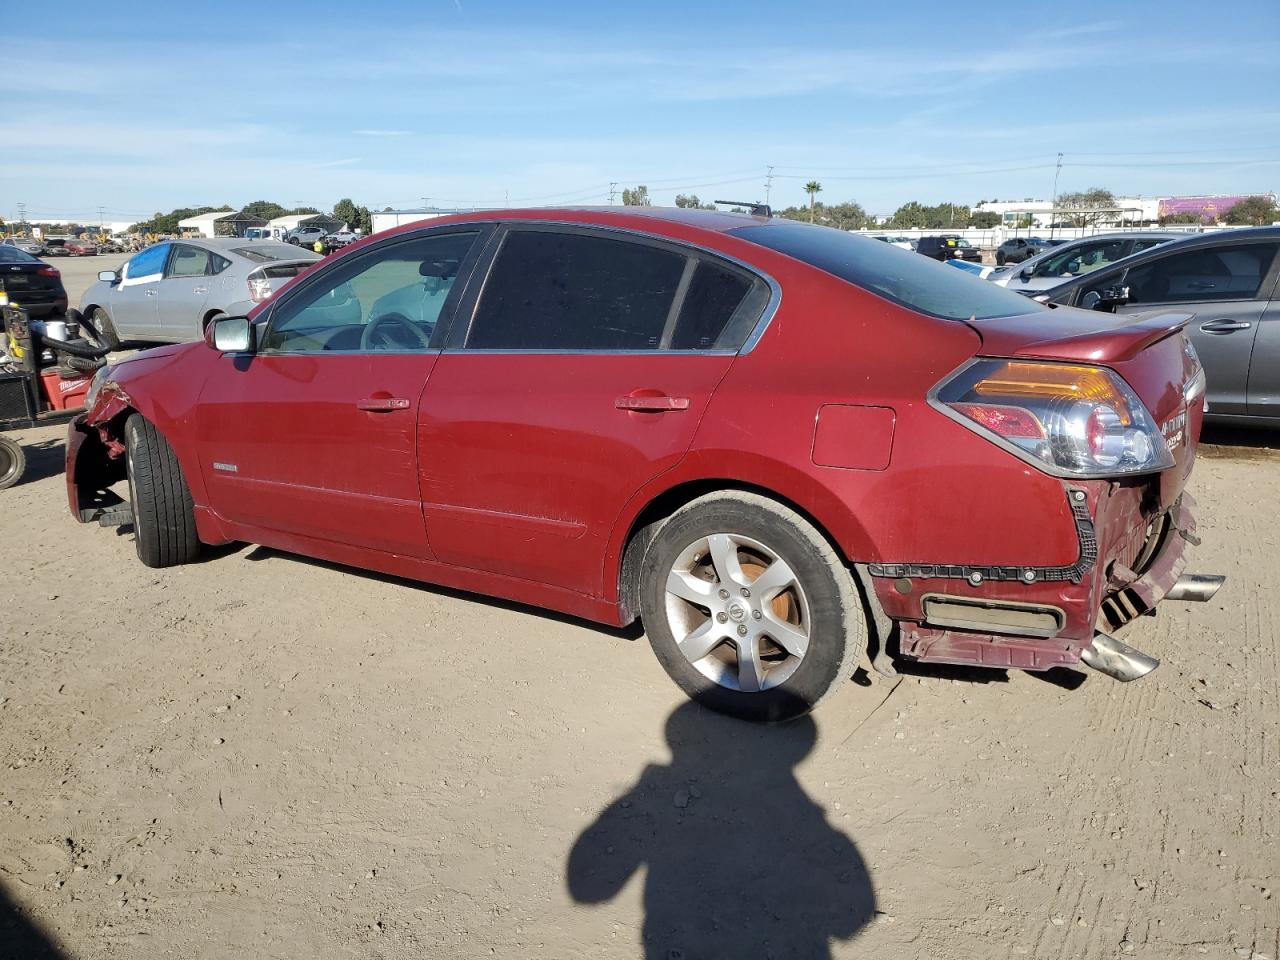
(381, 133)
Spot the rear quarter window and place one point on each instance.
(900, 276)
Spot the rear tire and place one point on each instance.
(1000, 259)
(767, 653)
(13, 462)
(164, 524)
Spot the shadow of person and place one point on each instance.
(20, 937)
(740, 862)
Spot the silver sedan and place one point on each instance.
(171, 291)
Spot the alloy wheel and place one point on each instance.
(738, 612)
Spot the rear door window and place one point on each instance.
(187, 262)
(570, 292)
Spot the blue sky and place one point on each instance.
(138, 107)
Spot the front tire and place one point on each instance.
(748, 608)
(164, 523)
(13, 462)
(101, 331)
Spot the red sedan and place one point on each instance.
(776, 444)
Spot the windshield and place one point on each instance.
(906, 278)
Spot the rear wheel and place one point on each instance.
(164, 524)
(1000, 259)
(748, 608)
(13, 462)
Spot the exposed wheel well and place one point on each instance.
(209, 315)
(668, 502)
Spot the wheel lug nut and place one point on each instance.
(746, 592)
(742, 629)
(724, 594)
(722, 617)
(755, 614)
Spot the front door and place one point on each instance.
(1223, 287)
(587, 363)
(315, 434)
(133, 300)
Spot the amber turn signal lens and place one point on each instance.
(1055, 381)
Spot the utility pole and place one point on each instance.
(426, 201)
(102, 225)
(22, 218)
(1053, 218)
(768, 184)
(613, 189)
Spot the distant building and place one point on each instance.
(386, 219)
(219, 223)
(1128, 211)
(1209, 209)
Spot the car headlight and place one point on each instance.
(1070, 420)
(95, 386)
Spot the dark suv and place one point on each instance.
(949, 248)
(1017, 249)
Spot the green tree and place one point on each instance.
(913, 215)
(263, 209)
(691, 202)
(1176, 218)
(639, 197)
(1255, 211)
(347, 211)
(1078, 209)
(984, 219)
(301, 211)
(812, 188)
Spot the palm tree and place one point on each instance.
(812, 188)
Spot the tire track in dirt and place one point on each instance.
(1171, 771)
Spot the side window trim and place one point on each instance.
(448, 310)
(465, 313)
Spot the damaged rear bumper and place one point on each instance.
(1135, 559)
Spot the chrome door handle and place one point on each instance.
(1224, 326)
(651, 404)
(382, 404)
(150, 293)
(199, 289)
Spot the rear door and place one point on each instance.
(580, 374)
(182, 293)
(1225, 287)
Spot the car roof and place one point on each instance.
(229, 246)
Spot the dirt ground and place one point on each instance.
(265, 756)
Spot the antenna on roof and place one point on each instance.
(757, 209)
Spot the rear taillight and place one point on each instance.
(259, 289)
(49, 272)
(1067, 419)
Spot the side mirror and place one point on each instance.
(231, 335)
(109, 276)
